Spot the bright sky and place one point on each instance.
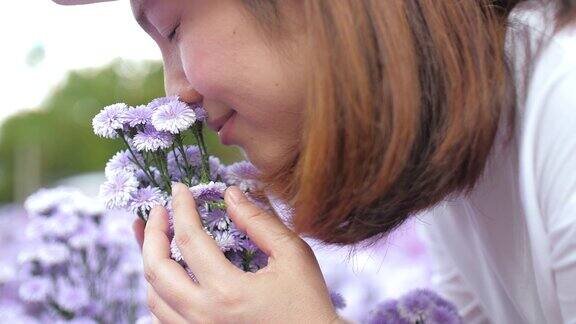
(72, 37)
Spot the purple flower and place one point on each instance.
(82, 205)
(209, 191)
(258, 201)
(241, 174)
(130, 265)
(434, 298)
(35, 289)
(443, 315)
(109, 120)
(7, 273)
(191, 274)
(216, 168)
(144, 320)
(71, 298)
(117, 230)
(284, 211)
(175, 251)
(35, 229)
(27, 255)
(139, 115)
(258, 261)
(51, 254)
(216, 219)
(418, 306)
(414, 305)
(152, 140)
(337, 300)
(45, 201)
(77, 260)
(84, 237)
(236, 258)
(429, 307)
(118, 189)
(249, 246)
(232, 228)
(143, 178)
(386, 313)
(82, 320)
(226, 241)
(201, 114)
(11, 312)
(122, 161)
(153, 129)
(95, 309)
(176, 162)
(173, 117)
(62, 224)
(145, 198)
(154, 104)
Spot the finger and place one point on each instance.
(198, 249)
(162, 312)
(138, 228)
(266, 230)
(165, 275)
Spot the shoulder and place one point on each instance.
(549, 105)
(544, 62)
(546, 123)
(539, 52)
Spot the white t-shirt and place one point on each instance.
(507, 252)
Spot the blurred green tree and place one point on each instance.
(55, 141)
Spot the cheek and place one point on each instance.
(201, 70)
(210, 66)
(245, 75)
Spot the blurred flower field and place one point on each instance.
(64, 258)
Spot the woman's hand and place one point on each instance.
(290, 289)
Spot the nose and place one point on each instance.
(184, 91)
(176, 84)
(179, 86)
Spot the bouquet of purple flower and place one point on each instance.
(78, 264)
(420, 306)
(156, 155)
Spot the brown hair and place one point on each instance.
(405, 98)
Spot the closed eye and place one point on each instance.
(173, 36)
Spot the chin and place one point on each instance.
(263, 160)
(258, 159)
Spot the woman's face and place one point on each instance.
(215, 52)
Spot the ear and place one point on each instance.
(78, 2)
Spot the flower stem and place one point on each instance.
(160, 166)
(205, 168)
(187, 166)
(183, 169)
(145, 170)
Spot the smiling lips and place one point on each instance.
(217, 123)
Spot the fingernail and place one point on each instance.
(178, 188)
(153, 211)
(235, 194)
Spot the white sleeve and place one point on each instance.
(447, 280)
(555, 174)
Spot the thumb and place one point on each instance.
(265, 229)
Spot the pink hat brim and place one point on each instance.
(78, 2)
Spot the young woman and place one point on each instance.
(360, 114)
